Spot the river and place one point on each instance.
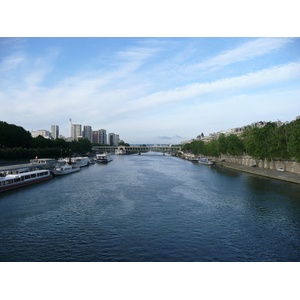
(151, 207)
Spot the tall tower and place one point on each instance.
(70, 124)
(75, 132)
(54, 131)
(102, 136)
(87, 132)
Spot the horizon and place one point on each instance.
(149, 90)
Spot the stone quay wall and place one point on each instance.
(288, 165)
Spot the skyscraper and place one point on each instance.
(95, 137)
(75, 131)
(54, 131)
(87, 133)
(102, 136)
(111, 139)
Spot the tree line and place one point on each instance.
(17, 143)
(270, 142)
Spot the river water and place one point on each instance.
(152, 208)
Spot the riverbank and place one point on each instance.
(285, 176)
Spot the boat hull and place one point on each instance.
(206, 161)
(6, 185)
(103, 158)
(60, 172)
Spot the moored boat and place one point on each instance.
(76, 161)
(206, 161)
(65, 169)
(13, 181)
(120, 151)
(103, 158)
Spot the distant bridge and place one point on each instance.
(136, 149)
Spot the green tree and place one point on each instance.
(40, 142)
(211, 148)
(293, 143)
(14, 136)
(234, 145)
(222, 144)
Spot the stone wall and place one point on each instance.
(288, 165)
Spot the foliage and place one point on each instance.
(270, 142)
(273, 142)
(14, 136)
(124, 144)
(17, 143)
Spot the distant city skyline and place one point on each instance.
(149, 90)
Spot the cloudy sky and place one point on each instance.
(149, 90)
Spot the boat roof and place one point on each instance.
(27, 165)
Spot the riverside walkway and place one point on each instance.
(285, 176)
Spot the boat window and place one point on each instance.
(17, 179)
(27, 176)
(33, 175)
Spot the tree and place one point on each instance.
(293, 143)
(14, 136)
(234, 145)
(40, 142)
(211, 148)
(222, 144)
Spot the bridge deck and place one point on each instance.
(138, 148)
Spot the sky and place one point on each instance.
(149, 90)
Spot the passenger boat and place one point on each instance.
(103, 158)
(65, 169)
(206, 161)
(13, 181)
(120, 151)
(76, 161)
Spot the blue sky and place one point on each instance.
(149, 90)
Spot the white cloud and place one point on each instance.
(249, 81)
(244, 52)
(11, 62)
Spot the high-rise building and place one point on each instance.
(102, 136)
(117, 140)
(111, 139)
(75, 131)
(87, 133)
(54, 131)
(95, 138)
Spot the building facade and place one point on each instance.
(111, 139)
(95, 137)
(55, 131)
(75, 132)
(87, 133)
(102, 136)
(44, 133)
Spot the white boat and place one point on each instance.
(206, 161)
(92, 161)
(65, 169)
(103, 158)
(76, 161)
(120, 151)
(13, 181)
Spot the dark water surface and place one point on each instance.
(152, 208)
